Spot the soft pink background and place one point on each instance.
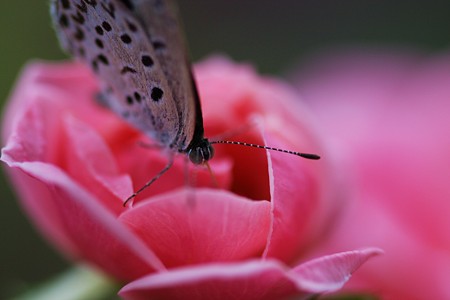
(386, 116)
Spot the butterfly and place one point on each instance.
(137, 50)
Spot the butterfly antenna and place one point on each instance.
(157, 176)
(304, 155)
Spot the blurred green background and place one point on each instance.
(273, 35)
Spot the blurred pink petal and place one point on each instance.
(386, 115)
(266, 279)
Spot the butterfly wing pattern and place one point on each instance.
(138, 52)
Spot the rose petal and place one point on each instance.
(248, 280)
(330, 273)
(69, 215)
(302, 192)
(294, 201)
(39, 80)
(258, 279)
(198, 226)
(27, 143)
(89, 161)
(97, 235)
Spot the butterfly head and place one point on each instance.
(201, 152)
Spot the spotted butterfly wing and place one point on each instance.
(162, 22)
(138, 52)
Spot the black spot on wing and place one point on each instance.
(159, 45)
(125, 38)
(147, 60)
(106, 26)
(99, 30)
(128, 4)
(79, 34)
(110, 9)
(129, 100)
(128, 69)
(157, 94)
(82, 7)
(79, 18)
(65, 4)
(92, 3)
(131, 26)
(99, 43)
(94, 65)
(103, 59)
(63, 21)
(137, 96)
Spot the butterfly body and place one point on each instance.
(137, 50)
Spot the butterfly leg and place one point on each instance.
(156, 177)
(191, 177)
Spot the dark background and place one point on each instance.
(274, 35)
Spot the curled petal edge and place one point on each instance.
(331, 272)
(321, 275)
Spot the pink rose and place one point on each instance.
(387, 118)
(73, 163)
